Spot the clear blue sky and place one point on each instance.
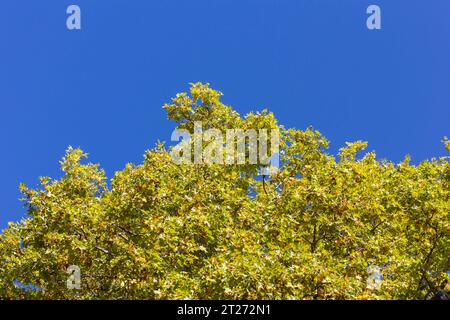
(312, 62)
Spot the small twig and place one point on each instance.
(264, 185)
(102, 249)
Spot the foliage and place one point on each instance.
(167, 231)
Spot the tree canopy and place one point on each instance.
(315, 229)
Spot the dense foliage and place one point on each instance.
(313, 230)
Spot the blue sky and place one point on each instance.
(311, 62)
